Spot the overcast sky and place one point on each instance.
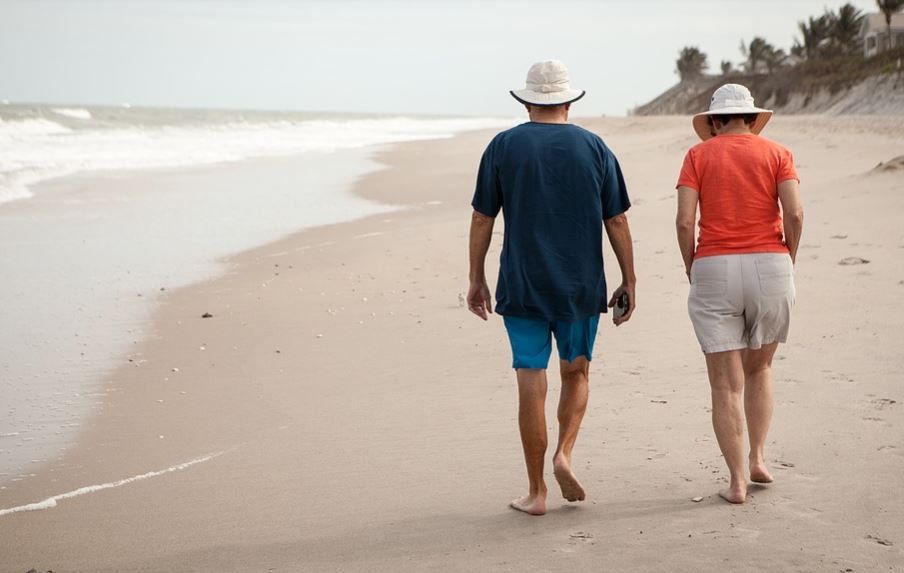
(384, 56)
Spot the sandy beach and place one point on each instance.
(340, 411)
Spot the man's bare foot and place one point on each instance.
(759, 473)
(734, 494)
(531, 504)
(572, 490)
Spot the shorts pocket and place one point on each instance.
(776, 276)
(709, 277)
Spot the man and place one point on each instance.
(741, 268)
(557, 186)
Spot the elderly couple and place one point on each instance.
(558, 186)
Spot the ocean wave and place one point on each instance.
(75, 113)
(29, 127)
(36, 149)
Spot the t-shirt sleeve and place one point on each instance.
(614, 192)
(688, 176)
(786, 169)
(488, 193)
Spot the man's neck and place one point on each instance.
(540, 117)
(733, 129)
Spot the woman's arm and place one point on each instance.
(792, 214)
(686, 225)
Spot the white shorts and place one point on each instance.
(741, 301)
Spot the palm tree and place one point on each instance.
(773, 58)
(890, 8)
(845, 27)
(814, 32)
(726, 67)
(691, 63)
(760, 51)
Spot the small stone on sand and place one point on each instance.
(697, 499)
(206, 315)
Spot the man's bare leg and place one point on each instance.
(572, 405)
(726, 380)
(758, 407)
(532, 423)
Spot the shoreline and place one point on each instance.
(371, 163)
(85, 301)
(367, 419)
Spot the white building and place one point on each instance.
(875, 33)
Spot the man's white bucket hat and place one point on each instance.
(731, 99)
(547, 84)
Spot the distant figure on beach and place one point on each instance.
(741, 268)
(557, 185)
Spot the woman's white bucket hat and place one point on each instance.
(547, 84)
(731, 99)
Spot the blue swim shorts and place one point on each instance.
(531, 339)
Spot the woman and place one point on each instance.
(740, 268)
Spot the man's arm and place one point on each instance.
(686, 224)
(479, 301)
(792, 214)
(620, 238)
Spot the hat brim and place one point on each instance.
(530, 97)
(704, 131)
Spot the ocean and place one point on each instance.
(98, 218)
(43, 142)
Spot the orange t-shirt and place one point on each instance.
(737, 179)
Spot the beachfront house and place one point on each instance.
(874, 33)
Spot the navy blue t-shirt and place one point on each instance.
(555, 184)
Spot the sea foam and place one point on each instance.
(35, 149)
(75, 113)
(51, 502)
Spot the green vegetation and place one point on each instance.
(760, 53)
(826, 60)
(831, 35)
(888, 9)
(691, 63)
(829, 44)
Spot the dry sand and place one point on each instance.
(361, 420)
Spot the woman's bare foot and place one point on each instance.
(531, 504)
(735, 493)
(759, 473)
(572, 490)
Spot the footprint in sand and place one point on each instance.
(882, 403)
(848, 261)
(880, 540)
(581, 536)
(807, 512)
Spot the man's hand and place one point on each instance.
(620, 239)
(479, 301)
(625, 288)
